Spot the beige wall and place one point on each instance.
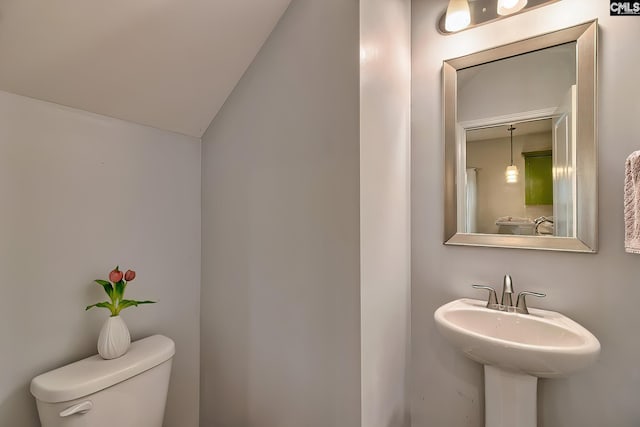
(81, 193)
(385, 103)
(497, 198)
(600, 291)
(280, 291)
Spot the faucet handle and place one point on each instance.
(521, 305)
(492, 302)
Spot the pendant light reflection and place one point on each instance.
(511, 174)
(458, 15)
(507, 7)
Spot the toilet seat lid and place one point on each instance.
(93, 374)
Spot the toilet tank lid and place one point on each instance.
(93, 374)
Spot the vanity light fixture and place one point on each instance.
(511, 174)
(458, 15)
(507, 7)
(463, 15)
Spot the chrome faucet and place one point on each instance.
(507, 291)
(506, 301)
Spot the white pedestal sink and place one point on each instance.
(516, 350)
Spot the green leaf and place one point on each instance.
(120, 289)
(107, 287)
(130, 303)
(104, 304)
(127, 303)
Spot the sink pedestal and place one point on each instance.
(509, 398)
(514, 347)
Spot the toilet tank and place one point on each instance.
(130, 391)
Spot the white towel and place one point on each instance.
(545, 228)
(632, 203)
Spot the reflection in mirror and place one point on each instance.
(520, 144)
(497, 204)
(522, 84)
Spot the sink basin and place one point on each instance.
(542, 343)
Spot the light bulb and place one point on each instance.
(507, 7)
(511, 174)
(508, 4)
(458, 15)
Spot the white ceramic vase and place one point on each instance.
(114, 339)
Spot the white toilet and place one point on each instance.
(130, 391)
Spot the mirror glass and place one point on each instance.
(498, 202)
(520, 144)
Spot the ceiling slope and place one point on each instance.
(169, 64)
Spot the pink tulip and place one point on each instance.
(115, 276)
(129, 275)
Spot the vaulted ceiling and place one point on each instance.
(169, 64)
